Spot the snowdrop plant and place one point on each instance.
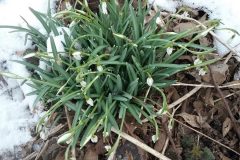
(106, 63)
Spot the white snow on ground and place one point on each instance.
(16, 117)
(225, 10)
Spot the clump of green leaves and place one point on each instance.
(112, 65)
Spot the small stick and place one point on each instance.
(140, 144)
(206, 136)
(206, 85)
(183, 98)
(70, 126)
(227, 107)
(44, 148)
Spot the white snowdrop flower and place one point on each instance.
(202, 72)
(77, 55)
(68, 5)
(83, 84)
(169, 50)
(65, 137)
(94, 139)
(104, 8)
(105, 134)
(154, 138)
(159, 21)
(72, 24)
(100, 68)
(162, 111)
(185, 14)
(197, 61)
(90, 101)
(107, 147)
(69, 141)
(150, 81)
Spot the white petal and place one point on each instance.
(77, 55)
(169, 50)
(100, 68)
(90, 101)
(104, 8)
(150, 81)
(65, 137)
(94, 139)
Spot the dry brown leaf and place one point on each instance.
(160, 142)
(91, 154)
(190, 119)
(181, 27)
(223, 157)
(227, 125)
(205, 41)
(60, 156)
(219, 73)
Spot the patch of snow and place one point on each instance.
(16, 116)
(225, 10)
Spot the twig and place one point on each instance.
(44, 148)
(227, 107)
(70, 126)
(140, 145)
(169, 134)
(183, 98)
(206, 136)
(206, 85)
(167, 140)
(31, 156)
(229, 95)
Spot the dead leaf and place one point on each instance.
(223, 157)
(60, 156)
(205, 41)
(181, 27)
(219, 73)
(160, 142)
(190, 119)
(227, 125)
(91, 154)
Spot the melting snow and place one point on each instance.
(225, 10)
(16, 117)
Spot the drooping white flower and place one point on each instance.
(197, 61)
(149, 81)
(107, 147)
(159, 21)
(94, 139)
(185, 14)
(68, 5)
(83, 84)
(100, 68)
(90, 101)
(77, 55)
(169, 50)
(104, 7)
(154, 138)
(65, 137)
(202, 72)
